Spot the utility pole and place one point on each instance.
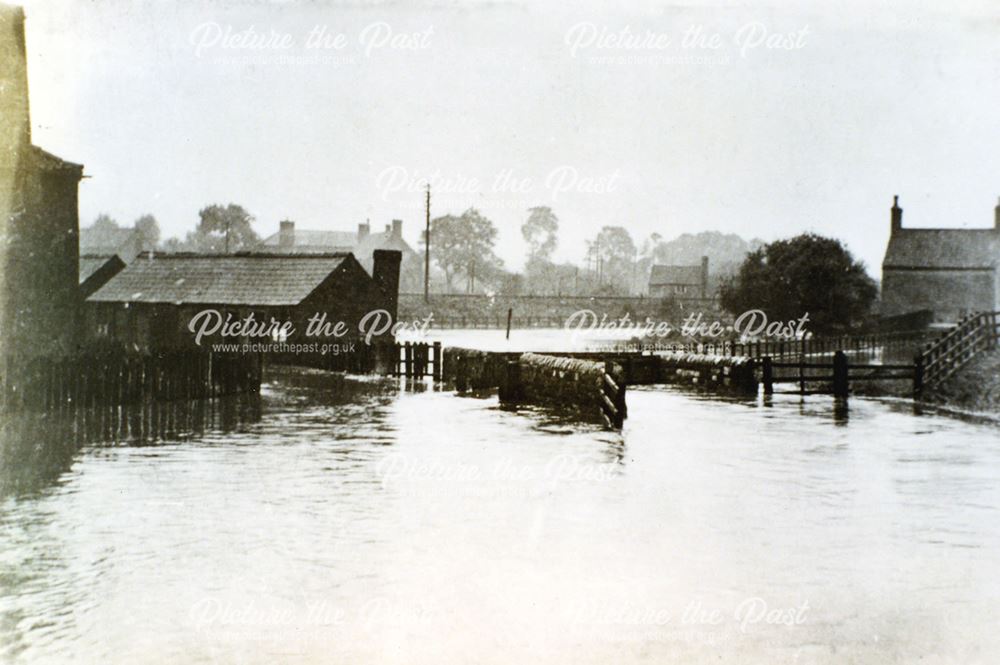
(427, 249)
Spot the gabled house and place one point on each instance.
(679, 282)
(951, 272)
(124, 242)
(151, 302)
(96, 271)
(362, 243)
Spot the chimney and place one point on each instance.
(286, 235)
(996, 216)
(16, 128)
(704, 277)
(363, 231)
(388, 229)
(385, 272)
(897, 216)
(397, 228)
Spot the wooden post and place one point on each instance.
(437, 361)
(918, 375)
(510, 313)
(510, 389)
(767, 372)
(841, 383)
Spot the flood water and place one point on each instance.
(373, 521)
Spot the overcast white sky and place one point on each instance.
(511, 105)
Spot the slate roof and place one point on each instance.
(661, 274)
(313, 241)
(242, 279)
(943, 248)
(46, 161)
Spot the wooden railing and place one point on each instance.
(940, 359)
(418, 359)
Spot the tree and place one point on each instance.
(539, 231)
(612, 256)
(465, 244)
(223, 230)
(807, 274)
(104, 222)
(149, 232)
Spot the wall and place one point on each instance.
(948, 293)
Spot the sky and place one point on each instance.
(761, 119)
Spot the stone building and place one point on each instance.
(679, 282)
(362, 243)
(950, 272)
(39, 223)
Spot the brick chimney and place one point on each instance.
(15, 131)
(704, 277)
(363, 231)
(286, 235)
(385, 272)
(397, 228)
(897, 216)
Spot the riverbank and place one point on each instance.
(976, 387)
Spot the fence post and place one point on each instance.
(437, 361)
(768, 376)
(840, 374)
(918, 375)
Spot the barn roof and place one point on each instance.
(662, 274)
(943, 248)
(243, 279)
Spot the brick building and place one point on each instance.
(951, 272)
(679, 282)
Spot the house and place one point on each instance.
(289, 240)
(39, 223)
(951, 272)
(125, 242)
(679, 282)
(151, 302)
(96, 271)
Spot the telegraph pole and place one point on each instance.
(427, 249)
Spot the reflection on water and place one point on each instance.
(368, 520)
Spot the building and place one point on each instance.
(150, 303)
(679, 282)
(124, 242)
(39, 223)
(96, 271)
(951, 272)
(362, 243)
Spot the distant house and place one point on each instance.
(951, 272)
(39, 223)
(150, 303)
(679, 281)
(125, 242)
(96, 271)
(362, 243)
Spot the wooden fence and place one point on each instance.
(102, 378)
(834, 376)
(417, 360)
(942, 358)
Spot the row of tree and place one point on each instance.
(785, 279)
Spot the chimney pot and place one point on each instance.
(363, 231)
(397, 228)
(896, 216)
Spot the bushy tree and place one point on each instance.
(464, 244)
(223, 229)
(149, 232)
(612, 253)
(805, 274)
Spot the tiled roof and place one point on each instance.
(661, 274)
(244, 279)
(943, 248)
(46, 161)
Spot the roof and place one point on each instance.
(661, 274)
(106, 240)
(943, 248)
(314, 241)
(242, 279)
(46, 161)
(90, 264)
